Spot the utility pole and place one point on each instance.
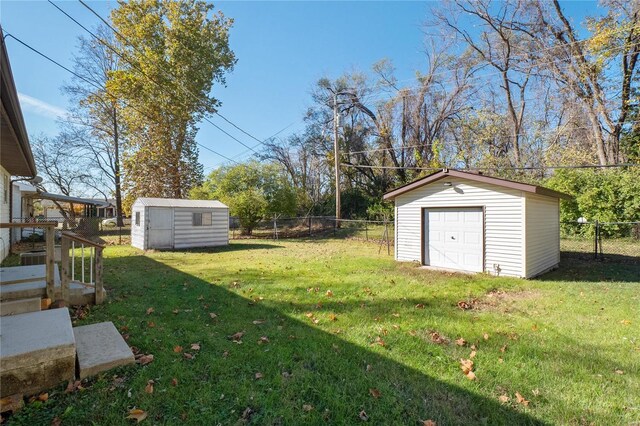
(336, 155)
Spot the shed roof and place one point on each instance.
(476, 177)
(176, 202)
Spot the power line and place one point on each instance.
(586, 166)
(95, 85)
(182, 87)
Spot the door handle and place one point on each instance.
(453, 238)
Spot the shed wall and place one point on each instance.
(138, 233)
(186, 235)
(504, 231)
(5, 215)
(542, 234)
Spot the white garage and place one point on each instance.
(167, 223)
(475, 223)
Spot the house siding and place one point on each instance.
(542, 234)
(185, 235)
(503, 233)
(5, 215)
(138, 233)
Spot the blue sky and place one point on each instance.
(282, 49)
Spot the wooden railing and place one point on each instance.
(87, 270)
(49, 234)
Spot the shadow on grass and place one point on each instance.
(300, 365)
(233, 246)
(577, 268)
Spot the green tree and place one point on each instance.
(253, 192)
(172, 54)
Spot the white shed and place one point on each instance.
(476, 223)
(167, 223)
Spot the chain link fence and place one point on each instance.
(607, 241)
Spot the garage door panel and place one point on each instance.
(454, 238)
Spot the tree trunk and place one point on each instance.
(116, 169)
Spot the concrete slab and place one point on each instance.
(37, 351)
(22, 306)
(27, 273)
(100, 348)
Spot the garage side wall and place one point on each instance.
(138, 232)
(542, 234)
(503, 221)
(186, 235)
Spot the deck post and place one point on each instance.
(99, 292)
(50, 267)
(64, 267)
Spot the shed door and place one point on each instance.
(454, 238)
(160, 229)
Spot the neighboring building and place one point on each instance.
(16, 158)
(165, 223)
(108, 210)
(471, 222)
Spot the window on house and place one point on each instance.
(137, 218)
(202, 219)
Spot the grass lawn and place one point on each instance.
(333, 329)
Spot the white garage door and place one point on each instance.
(160, 227)
(454, 238)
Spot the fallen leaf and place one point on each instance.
(137, 415)
(378, 341)
(412, 332)
(429, 423)
(149, 387)
(500, 360)
(369, 367)
(521, 400)
(619, 372)
(504, 398)
(486, 336)
(150, 311)
(151, 324)
(225, 354)
(470, 375)
(503, 349)
(333, 317)
(145, 359)
(625, 322)
(246, 414)
(329, 293)
(43, 397)
(472, 354)
(309, 314)
(420, 306)
(461, 342)
(464, 305)
(174, 382)
(375, 393)
(263, 340)
(73, 386)
(315, 321)
(307, 407)
(534, 327)
(259, 321)
(473, 347)
(187, 355)
(437, 338)
(213, 315)
(466, 365)
(259, 376)
(237, 337)
(57, 421)
(177, 349)
(176, 311)
(363, 416)
(195, 346)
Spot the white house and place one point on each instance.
(166, 223)
(476, 223)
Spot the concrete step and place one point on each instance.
(14, 307)
(37, 351)
(100, 348)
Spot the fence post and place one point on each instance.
(335, 226)
(64, 267)
(366, 231)
(309, 225)
(50, 234)
(386, 232)
(595, 241)
(98, 285)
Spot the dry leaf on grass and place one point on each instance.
(625, 322)
(237, 337)
(503, 349)
(375, 393)
(428, 423)
(177, 349)
(333, 317)
(195, 346)
(145, 359)
(467, 368)
(486, 336)
(472, 354)
(329, 293)
(151, 324)
(420, 306)
(369, 367)
(464, 305)
(619, 372)
(73, 386)
(213, 315)
(534, 327)
(461, 342)
(259, 376)
(187, 355)
(150, 311)
(378, 341)
(149, 387)
(504, 398)
(263, 340)
(362, 415)
(43, 397)
(307, 407)
(137, 415)
(174, 382)
(259, 321)
(521, 399)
